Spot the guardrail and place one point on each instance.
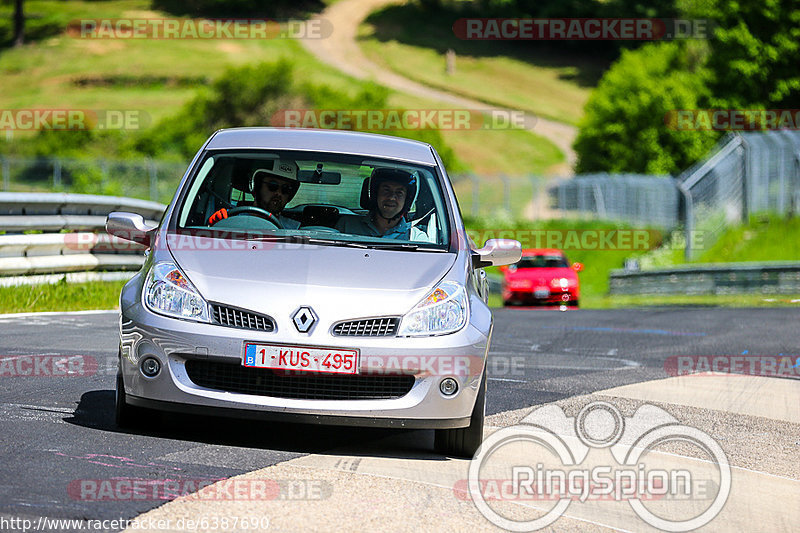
(728, 278)
(69, 238)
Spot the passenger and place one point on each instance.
(391, 194)
(272, 190)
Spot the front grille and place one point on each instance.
(370, 327)
(238, 318)
(266, 382)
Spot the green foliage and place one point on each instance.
(756, 54)
(252, 95)
(624, 127)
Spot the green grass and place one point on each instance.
(60, 296)
(722, 300)
(542, 80)
(764, 238)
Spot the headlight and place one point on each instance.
(167, 291)
(443, 310)
(561, 282)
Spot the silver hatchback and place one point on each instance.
(313, 276)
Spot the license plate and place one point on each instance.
(303, 358)
(541, 293)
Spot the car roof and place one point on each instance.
(323, 140)
(542, 251)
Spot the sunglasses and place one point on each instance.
(273, 186)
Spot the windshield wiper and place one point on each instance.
(402, 246)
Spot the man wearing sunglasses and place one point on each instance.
(272, 189)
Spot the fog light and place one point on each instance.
(151, 367)
(448, 386)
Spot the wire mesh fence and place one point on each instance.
(745, 174)
(646, 200)
(146, 179)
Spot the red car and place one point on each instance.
(542, 276)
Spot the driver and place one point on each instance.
(272, 189)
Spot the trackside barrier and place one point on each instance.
(76, 241)
(729, 278)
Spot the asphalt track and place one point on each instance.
(58, 430)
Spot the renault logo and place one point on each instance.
(303, 319)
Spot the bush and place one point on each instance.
(624, 127)
(251, 96)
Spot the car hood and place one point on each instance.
(337, 282)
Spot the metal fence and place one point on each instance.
(651, 201)
(145, 179)
(745, 174)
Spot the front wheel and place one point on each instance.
(127, 416)
(464, 442)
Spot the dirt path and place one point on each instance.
(341, 50)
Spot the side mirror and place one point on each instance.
(129, 226)
(577, 267)
(497, 252)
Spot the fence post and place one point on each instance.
(506, 193)
(153, 180)
(689, 218)
(56, 173)
(476, 193)
(103, 174)
(6, 173)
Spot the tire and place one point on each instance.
(464, 442)
(126, 415)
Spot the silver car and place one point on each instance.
(312, 276)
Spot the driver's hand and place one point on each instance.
(216, 217)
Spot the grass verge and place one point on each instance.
(540, 79)
(60, 296)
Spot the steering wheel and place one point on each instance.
(255, 211)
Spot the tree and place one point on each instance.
(19, 23)
(624, 127)
(755, 53)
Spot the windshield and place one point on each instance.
(543, 261)
(322, 197)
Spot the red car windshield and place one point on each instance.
(543, 261)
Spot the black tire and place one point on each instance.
(464, 442)
(127, 416)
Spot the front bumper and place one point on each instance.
(545, 296)
(176, 342)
